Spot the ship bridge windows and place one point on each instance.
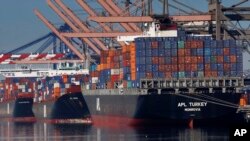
(168, 91)
(183, 90)
(217, 90)
(201, 90)
(152, 91)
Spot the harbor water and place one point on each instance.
(49, 132)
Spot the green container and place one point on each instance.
(213, 59)
(181, 74)
(129, 84)
(180, 44)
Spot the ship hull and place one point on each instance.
(163, 108)
(68, 108)
(19, 110)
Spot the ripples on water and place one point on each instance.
(48, 132)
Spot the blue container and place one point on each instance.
(148, 53)
(173, 43)
(238, 50)
(220, 67)
(149, 68)
(175, 74)
(226, 43)
(161, 75)
(233, 67)
(193, 52)
(155, 52)
(226, 59)
(213, 66)
(239, 58)
(140, 53)
(161, 53)
(207, 59)
(194, 74)
(239, 66)
(219, 51)
(167, 44)
(220, 43)
(220, 73)
(233, 74)
(207, 51)
(200, 51)
(155, 68)
(233, 51)
(141, 68)
(213, 44)
(168, 61)
(232, 43)
(142, 75)
(213, 51)
(168, 52)
(174, 52)
(142, 60)
(207, 44)
(148, 61)
(155, 74)
(188, 74)
(200, 67)
(161, 44)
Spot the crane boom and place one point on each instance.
(51, 27)
(80, 24)
(75, 29)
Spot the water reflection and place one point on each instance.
(48, 132)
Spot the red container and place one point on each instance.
(193, 67)
(161, 60)
(181, 60)
(214, 73)
(207, 67)
(174, 60)
(115, 78)
(226, 67)
(168, 74)
(188, 44)
(226, 51)
(162, 68)
(149, 75)
(187, 59)
(168, 68)
(155, 60)
(174, 68)
(208, 74)
(219, 59)
(194, 60)
(187, 52)
(181, 67)
(154, 44)
(126, 63)
(181, 52)
(187, 67)
(200, 59)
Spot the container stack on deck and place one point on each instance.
(40, 88)
(167, 57)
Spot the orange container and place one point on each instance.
(207, 67)
(214, 73)
(133, 76)
(149, 75)
(233, 59)
(154, 44)
(226, 66)
(208, 74)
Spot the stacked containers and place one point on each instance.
(170, 57)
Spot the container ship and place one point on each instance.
(46, 95)
(167, 76)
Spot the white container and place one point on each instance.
(67, 85)
(87, 86)
(115, 71)
(56, 85)
(95, 79)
